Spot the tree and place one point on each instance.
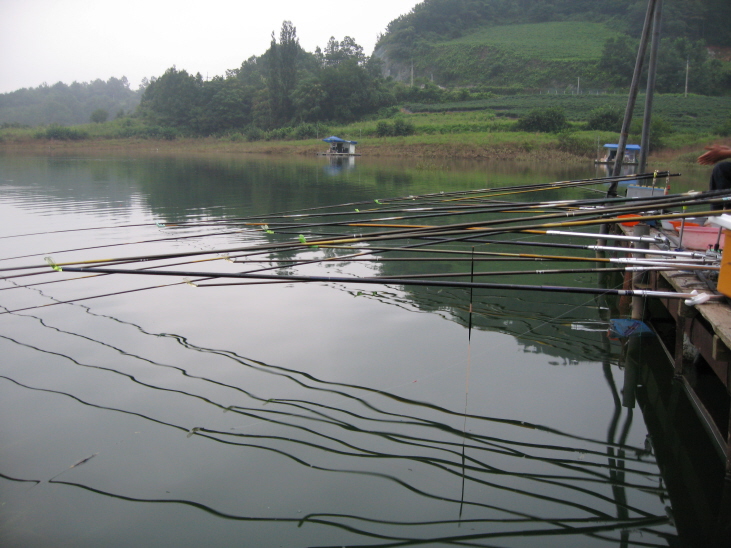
(605, 119)
(618, 60)
(173, 99)
(99, 116)
(282, 62)
(546, 120)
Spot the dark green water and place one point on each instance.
(298, 414)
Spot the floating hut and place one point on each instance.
(631, 154)
(340, 147)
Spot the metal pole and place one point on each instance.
(651, 74)
(634, 89)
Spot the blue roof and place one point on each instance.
(333, 139)
(627, 147)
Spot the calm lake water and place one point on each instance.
(156, 413)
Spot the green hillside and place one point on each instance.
(531, 45)
(532, 55)
(553, 41)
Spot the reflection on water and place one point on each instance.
(293, 414)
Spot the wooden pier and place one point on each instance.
(697, 341)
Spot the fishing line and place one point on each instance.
(467, 381)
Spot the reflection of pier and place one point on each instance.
(339, 163)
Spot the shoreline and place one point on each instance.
(416, 147)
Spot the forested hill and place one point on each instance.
(77, 103)
(548, 43)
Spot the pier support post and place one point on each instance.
(638, 303)
(631, 371)
(723, 526)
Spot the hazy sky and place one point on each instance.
(82, 40)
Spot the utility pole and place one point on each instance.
(687, 70)
(578, 85)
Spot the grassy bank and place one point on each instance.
(494, 146)
(477, 134)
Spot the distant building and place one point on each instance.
(610, 154)
(340, 146)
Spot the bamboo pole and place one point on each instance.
(650, 94)
(631, 100)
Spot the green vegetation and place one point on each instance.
(490, 75)
(605, 119)
(554, 43)
(695, 113)
(547, 120)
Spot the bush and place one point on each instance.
(62, 133)
(278, 134)
(724, 130)
(573, 144)
(159, 132)
(546, 120)
(388, 112)
(384, 129)
(305, 131)
(659, 129)
(99, 116)
(605, 119)
(253, 133)
(402, 127)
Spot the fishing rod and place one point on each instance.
(265, 220)
(472, 210)
(378, 237)
(483, 223)
(580, 213)
(156, 240)
(399, 281)
(564, 184)
(540, 272)
(405, 234)
(484, 228)
(676, 253)
(74, 230)
(676, 265)
(595, 180)
(656, 239)
(512, 273)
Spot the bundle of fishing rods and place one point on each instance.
(447, 228)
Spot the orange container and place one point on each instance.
(630, 216)
(676, 224)
(724, 276)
